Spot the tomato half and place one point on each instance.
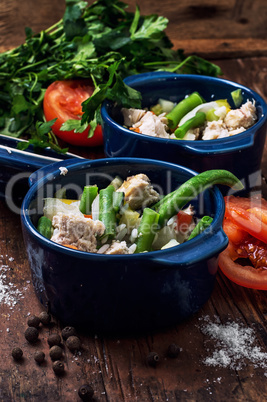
(246, 227)
(63, 101)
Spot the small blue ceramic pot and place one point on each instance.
(121, 294)
(241, 154)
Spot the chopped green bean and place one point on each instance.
(88, 196)
(203, 224)
(44, 226)
(107, 214)
(116, 182)
(194, 122)
(118, 199)
(237, 97)
(182, 108)
(147, 230)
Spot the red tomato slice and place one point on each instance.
(246, 221)
(243, 226)
(246, 203)
(246, 276)
(233, 232)
(63, 101)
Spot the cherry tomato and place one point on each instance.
(63, 101)
(245, 224)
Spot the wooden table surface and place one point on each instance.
(117, 368)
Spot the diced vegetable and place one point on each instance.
(237, 97)
(118, 199)
(194, 122)
(147, 230)
(107, 213)
(88, 196)
(182, 108)
(44, 226)
(203, 224)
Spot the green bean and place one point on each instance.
(182, 108)
(88, 196)
(203, 224)
(118, 198)
(44, 226)
(147, 230)
(107, 213)
(116, 182)
(194, 122)
(173, 202)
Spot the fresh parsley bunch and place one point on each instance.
(103, 42)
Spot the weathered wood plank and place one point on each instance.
(228, 23)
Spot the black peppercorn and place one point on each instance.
(17, 353)
(39, 356)
(31, 334)
(173, 350)
(33, 321)
(67, 332)
(55, 352)
(152, 359)
(86, 392)
(73, 343)
(54, 339)
(58, 367)
(45, 318)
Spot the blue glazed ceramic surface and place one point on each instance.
(241, 154)
(120, 294)
(16, 166)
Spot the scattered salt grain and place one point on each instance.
(234, 346)
(9, 294)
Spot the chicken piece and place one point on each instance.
(151, 124)
(139, 193)
(237, 131)
(118, 247)
(243, 117)
(77, 231)
(132, 116)
(192, 134)
(215, 129)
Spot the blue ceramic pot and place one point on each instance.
(121, 294)
(241, 154)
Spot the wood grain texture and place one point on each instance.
(234, 27)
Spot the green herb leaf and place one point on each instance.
(102, 41)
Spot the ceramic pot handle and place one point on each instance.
(214, 243)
